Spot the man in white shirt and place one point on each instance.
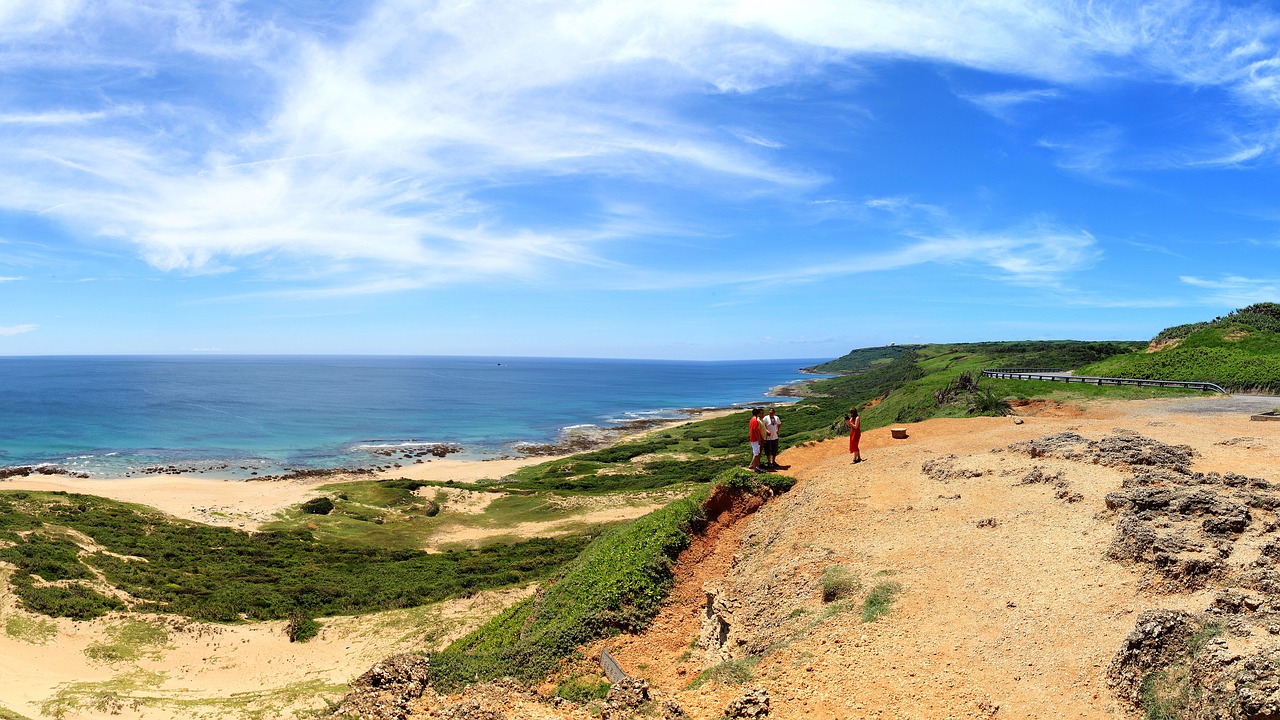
(771, 425)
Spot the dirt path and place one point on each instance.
(1007, 606)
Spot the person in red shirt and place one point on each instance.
(755, 433)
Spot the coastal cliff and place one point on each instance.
(1016, 568)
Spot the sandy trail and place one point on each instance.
(1015, 618)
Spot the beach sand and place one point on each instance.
(49, 666)
(246, 504)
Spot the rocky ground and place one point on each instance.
(1073, 562)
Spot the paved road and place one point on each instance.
(1220, 405)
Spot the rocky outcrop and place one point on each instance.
(1122, 447)
(1193, 530)
(387, 690)
(625, 697)
(753, 703)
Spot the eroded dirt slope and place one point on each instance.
(1037, 565)
(1010, 605)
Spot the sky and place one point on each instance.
(685, 179)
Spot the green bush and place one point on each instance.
(50, 559)
(582, 689)
(301, 628)
(737, 478)
(879, 601)
(837, 583)
(778, 483)
(222, 574)
(317, 506)
(70, 601)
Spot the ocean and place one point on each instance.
(235, 416)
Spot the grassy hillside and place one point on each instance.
(864, 359)
(1058, 354)
(1240, 351)
(903, 383)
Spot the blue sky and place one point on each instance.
(704, 179)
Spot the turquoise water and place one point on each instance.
(112, 415)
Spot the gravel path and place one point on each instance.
(1223, 405)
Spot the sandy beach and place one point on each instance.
(246, 504)
(57, 666)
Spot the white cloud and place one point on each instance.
(1037, 255)
(368, 149)
(9, 330)
(1003, 104)
(1092, 154)
(1236, 290)
(10, 279)
(905, 207)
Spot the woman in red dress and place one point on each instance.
(855, 432)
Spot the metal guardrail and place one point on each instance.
(1029, 370)
(612, 669)
(1021, 374)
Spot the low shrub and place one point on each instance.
(778, 483)
(879, 601)
(70, 601)
(224, 575)
(837, 583)
(301, 628)
(318, 506)
(730, 672)
(582, 689)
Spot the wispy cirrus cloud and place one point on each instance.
(905, 208)
(10, 330)
(1235, 290)
(1004, 104)
(1037, 255)
(1092, 154)
(348, 149)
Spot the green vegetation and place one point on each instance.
(837, 583)
(134, 692)
(1201, 637)
(37, 631)
(1238, 357)
(317, 506)
(1239, 351)
(128, 641)
(221, 574)
(863, 359)
(1058, 354)
(879, 601)
(70, 601)
(6, 714)
(582, 689)
(617, 583)
(301, 628)
(1167, 693)
(1261, 316)
(730, 672)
